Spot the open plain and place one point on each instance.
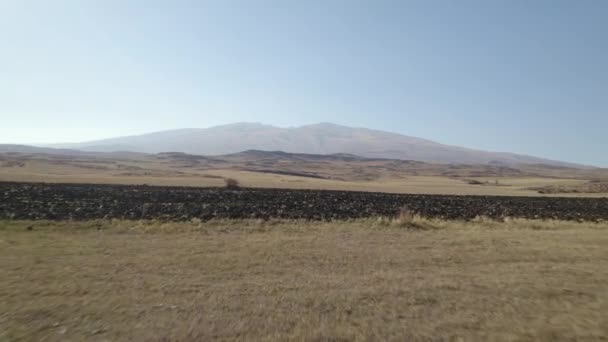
(422, 252)
(263, 169)
(374, 279)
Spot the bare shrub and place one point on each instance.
(383, 221)
(406, 216)
(231, 183)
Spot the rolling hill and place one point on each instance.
(277, 169)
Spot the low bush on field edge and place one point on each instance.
(231, 183)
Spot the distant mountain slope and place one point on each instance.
(323, 138)
(26, 149)
(12, 148)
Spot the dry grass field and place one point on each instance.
(509, 186)
(297, 171)
(377, 279)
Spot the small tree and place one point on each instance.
(231, 183)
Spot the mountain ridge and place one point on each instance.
(320, 138)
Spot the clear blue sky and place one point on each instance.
(520, 76)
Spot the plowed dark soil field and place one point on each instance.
(86, 201)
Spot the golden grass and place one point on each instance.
(339, 176)
(508, 186)
(407, 278)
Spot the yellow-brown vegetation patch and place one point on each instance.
(407, 278)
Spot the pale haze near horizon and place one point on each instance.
(514, 76)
